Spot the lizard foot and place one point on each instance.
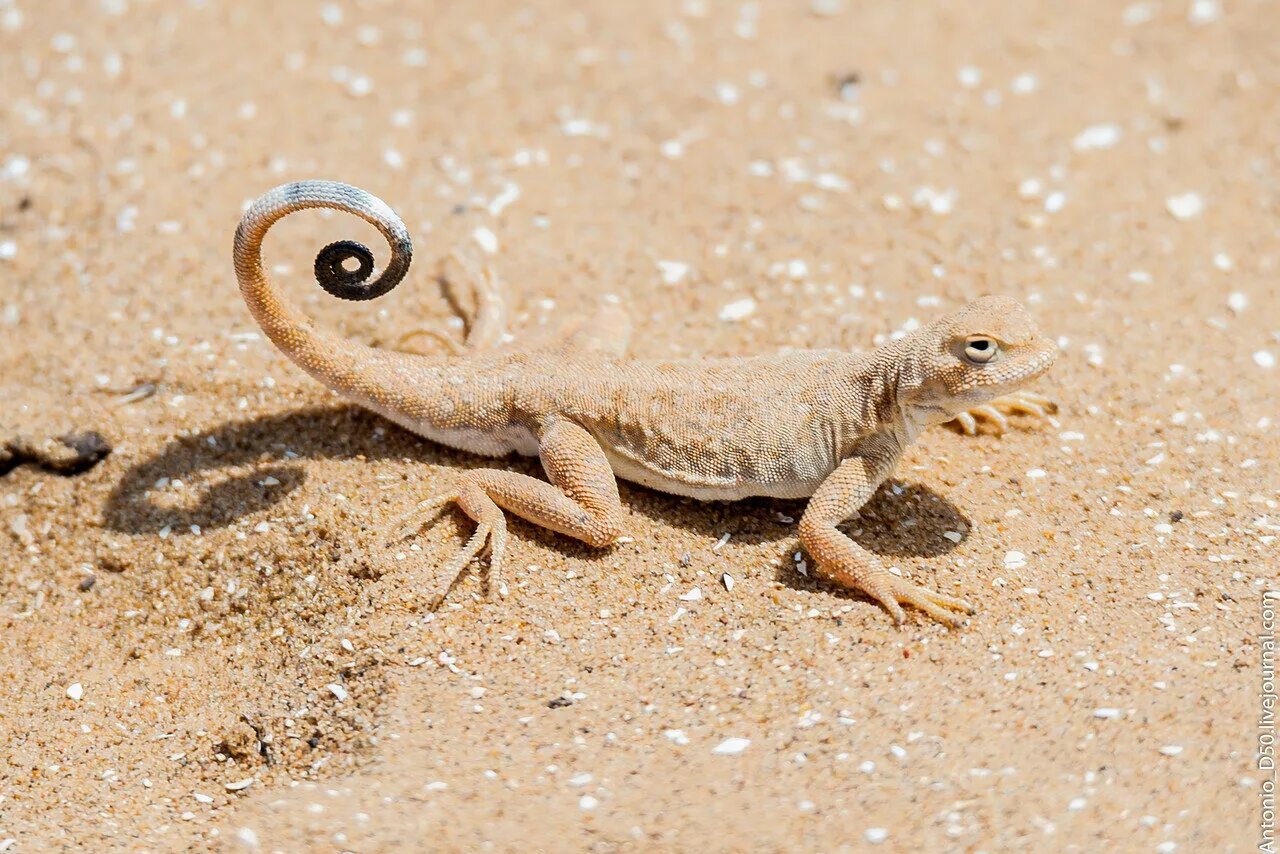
(490, 537)
(996, 412)
(893, 592)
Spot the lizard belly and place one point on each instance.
(710, 488)
(483, 441)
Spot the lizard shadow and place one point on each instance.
(900, 520)
(257, 463)
(250, 453)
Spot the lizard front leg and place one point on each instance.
(581, 501)
(843, 561)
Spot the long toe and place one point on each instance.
(941, 607)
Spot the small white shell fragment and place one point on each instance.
(1097, 137)
(953, 536)
(338, 691)
(676, 736)
(727, 580)
(587, 802)
(875, 835)
(673, 272)
(731, 746)
(1264, 359)
(1237, 302)
(1185, 206)
(1015, 560)
(485, 239)
(692, 596)
(738, 310)
(239, 785)
(1204, 11)
(1106, 713)
(75, 690)
(1171, 749)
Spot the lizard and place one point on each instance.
(826, 425)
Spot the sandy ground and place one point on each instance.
(204, 645)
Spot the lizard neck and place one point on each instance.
(868, 403)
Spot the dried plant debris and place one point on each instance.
(68, 454)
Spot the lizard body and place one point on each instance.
(827, 425)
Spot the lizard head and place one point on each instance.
(986, 349)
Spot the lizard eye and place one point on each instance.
(980, 349)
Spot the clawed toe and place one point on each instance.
(995, 413)
(947, 610)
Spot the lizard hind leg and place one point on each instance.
(581, 501)
(477, 295)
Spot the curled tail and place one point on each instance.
(363, 373)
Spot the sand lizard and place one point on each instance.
(827, 425)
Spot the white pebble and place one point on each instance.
(337, 691)
(1108, 714)
(1036, 474)
(738, 310)
(1097, 137)
(692, 596)
(1204, 11)
(1237, 302)
(1025, 84)
(676, 736)
(1015, 560)
(731, 746)
(1171, 749)
(1185, 206)
(587, 802)
(486, 239)
(876, 835)
(673, 272)
(75, 690)
(1264, 359)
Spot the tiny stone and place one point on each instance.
(738, 310)
(1185, 206)
(732, 746)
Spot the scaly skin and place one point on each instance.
(821, 424)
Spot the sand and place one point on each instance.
(205, 645)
